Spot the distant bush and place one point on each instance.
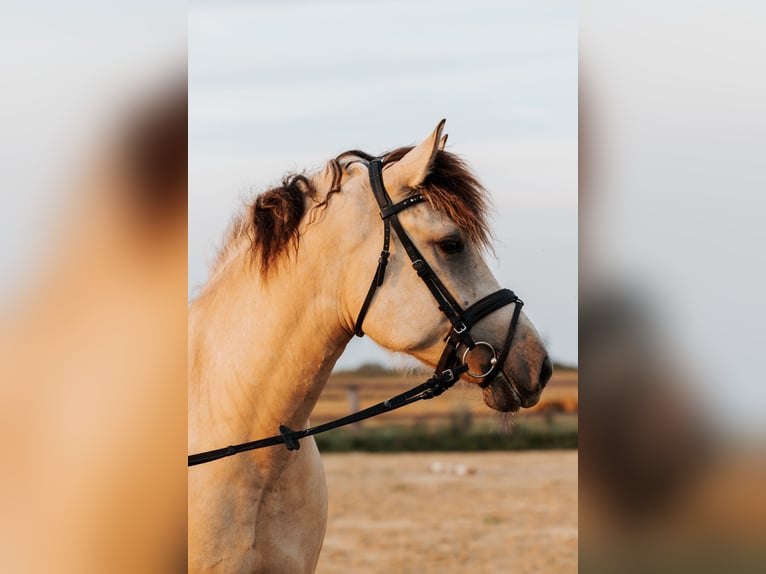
(368, 370)
(557, 366)
(458, 435)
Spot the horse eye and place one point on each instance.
(451, 246)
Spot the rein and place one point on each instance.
(433, 387)
(450, 366)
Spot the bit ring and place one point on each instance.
(492, 361)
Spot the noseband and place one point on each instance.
(462, 320)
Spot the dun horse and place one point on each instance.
(282, 302)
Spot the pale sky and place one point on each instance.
(278, 87)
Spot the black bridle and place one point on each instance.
(450, 366)
(461, 320)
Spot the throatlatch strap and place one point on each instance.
(387, 210)
(377, 280)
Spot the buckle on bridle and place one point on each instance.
(459, 331)
(382, 264)
(421, 267)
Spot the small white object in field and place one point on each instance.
(459, 469)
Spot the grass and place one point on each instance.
(459, 435)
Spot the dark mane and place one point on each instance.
(275, 217)
(272, 221)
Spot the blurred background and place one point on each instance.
(93, 174)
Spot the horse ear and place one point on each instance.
(410, 171)
(443, 142)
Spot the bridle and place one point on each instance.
(450, 366)
(461, 320)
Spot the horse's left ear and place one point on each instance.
(410, 171)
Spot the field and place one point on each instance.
(448, 512)
(429, 513)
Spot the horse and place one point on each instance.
(288, 291)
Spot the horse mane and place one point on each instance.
(272, 221)
(452, 189)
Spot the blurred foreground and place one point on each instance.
(93, 309)
(672, 432)
(662, 488)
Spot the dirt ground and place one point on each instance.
(440, 513)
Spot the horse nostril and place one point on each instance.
(546, 370)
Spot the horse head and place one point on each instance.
(445, 219)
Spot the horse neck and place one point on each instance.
(262, 350)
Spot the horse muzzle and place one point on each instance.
(511, 386)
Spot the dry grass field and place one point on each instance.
(448, 512)
(509, 512)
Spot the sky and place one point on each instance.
(279, 87)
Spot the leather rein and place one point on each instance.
(450, 366)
